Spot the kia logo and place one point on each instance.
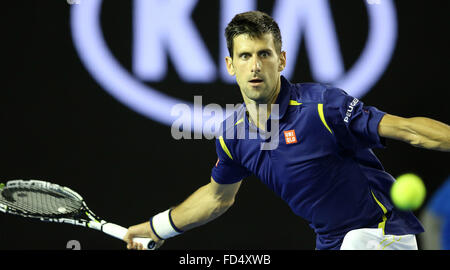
(165, 28)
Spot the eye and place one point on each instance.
(264, 54)
(245, 56)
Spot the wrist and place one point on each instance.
(162, 225)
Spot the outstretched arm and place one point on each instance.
(204, 205)
(417, 131)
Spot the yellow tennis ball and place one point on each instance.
(408, 192)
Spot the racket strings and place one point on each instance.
(42, 205)
(23, 205)
(40, 201)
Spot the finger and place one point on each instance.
(131, 245)
(126, 238)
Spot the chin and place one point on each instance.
(258, 99)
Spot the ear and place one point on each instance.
(230, 67)
(282, 64)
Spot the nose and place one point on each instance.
(256, 65)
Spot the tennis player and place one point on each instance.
(322, 166)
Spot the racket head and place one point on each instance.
(40, 199)
(54, 203)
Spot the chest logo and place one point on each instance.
(290, 137)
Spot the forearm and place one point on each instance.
(417, 131)
(199, 208)
(204, 205)
(429, 133)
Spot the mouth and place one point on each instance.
(256, 82)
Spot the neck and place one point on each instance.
(259, 111)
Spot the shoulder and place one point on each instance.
(226, 137)
(232, 118)
(314, 92)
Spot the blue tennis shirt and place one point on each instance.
(322, 166)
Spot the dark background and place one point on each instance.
(59, 125)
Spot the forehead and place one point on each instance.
(247, 43)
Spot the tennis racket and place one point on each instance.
(53, 203)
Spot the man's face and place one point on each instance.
(257, 66)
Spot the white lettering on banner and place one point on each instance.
(154, 38)
(313, 20)
(166, 25)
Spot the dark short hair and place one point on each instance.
(255, 24)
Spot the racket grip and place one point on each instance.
(119, 232)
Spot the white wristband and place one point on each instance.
(163, 227)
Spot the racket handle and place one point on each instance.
(119, 232)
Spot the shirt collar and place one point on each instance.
(282, 99)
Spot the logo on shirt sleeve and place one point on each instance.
(290, 137)
(350, 109)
